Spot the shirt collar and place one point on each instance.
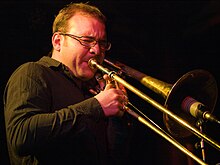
(56, 65)
(49, 62)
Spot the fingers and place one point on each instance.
(109, 82)
(123, 109)
(110, 85)
(123, 106)
(121, 92)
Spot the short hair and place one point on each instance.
(61, 20)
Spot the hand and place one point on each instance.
(113, 98)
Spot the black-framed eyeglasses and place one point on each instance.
(89, 42)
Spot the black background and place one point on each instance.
(163, 39)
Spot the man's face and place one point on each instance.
(76, 56)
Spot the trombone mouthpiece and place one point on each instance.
(92, 63)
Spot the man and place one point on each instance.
(51, 116)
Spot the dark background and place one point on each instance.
(163, 39)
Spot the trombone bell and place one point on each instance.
(198, 84)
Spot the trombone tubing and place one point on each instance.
(94, 64)
(164, 135)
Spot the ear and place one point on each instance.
(56, 41)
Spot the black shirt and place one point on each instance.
(51, 118)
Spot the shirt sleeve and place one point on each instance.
(29, 122)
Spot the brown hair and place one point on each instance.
(61, 20)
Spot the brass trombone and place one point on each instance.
(167, 90)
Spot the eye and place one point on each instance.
(103, 42)
(88, 40)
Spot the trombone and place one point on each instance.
(167, 90)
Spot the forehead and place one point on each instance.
(81, 23)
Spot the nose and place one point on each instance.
(95, 49)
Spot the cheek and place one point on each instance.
(69, 56)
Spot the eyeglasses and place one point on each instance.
(89, 42)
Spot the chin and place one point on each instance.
(87, 75)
